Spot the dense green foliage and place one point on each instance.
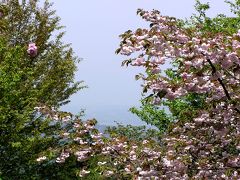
(54, 66)
(27, 82)
(153, 115)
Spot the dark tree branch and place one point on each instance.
(214, 70)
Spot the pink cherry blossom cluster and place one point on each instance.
(32, 50)
(207, 65)
(198, 58)
(185, 147)
(136, 159)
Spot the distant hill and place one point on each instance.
(107, 114)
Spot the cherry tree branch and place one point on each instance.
(214, 70)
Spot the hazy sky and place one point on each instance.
(93, 27)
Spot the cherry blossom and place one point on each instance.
(32, 49)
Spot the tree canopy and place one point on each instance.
(36, 69)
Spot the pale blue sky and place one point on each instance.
(93, 27)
